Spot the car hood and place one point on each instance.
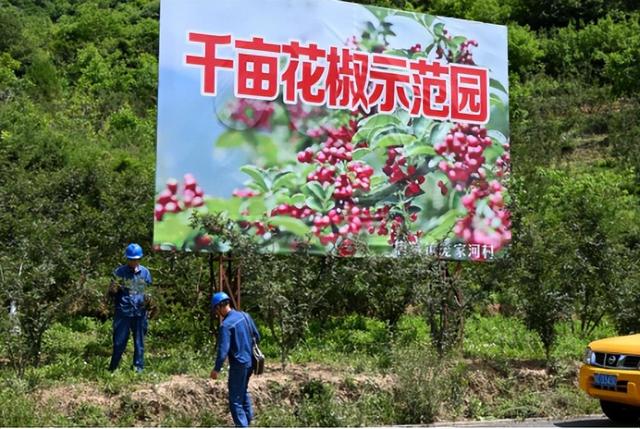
(628, 344)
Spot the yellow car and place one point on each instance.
(611, 373)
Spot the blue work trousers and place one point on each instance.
(122, 324)
(239, 399)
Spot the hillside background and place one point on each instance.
(349, 342)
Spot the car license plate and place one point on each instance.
(605, 380)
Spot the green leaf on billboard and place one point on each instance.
(422, 126)
(439, 132)
(298, 199)
(360, 153)
(499, 119)
(379, 120)
(257, 175)
(370, 27)
(438, 29)
(378, 133)
(497, 137)
(493, 83)
(254, 208)
(230, 139)
(173, 229)
(219, 205)
(315, 189)
(458, 40)
(314, 204)
(266, 147)
(415, 150)
(424, 19)
(283, 180)
(368, 133)
(290, 224)
(492, 153)
(395, 139)
(446, 222)
(429, 48)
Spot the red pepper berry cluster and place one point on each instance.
(464, 56)
(347, 247)
(415, 48)
(337, 146)
(463, 150)
(252, 113)
(393, 168)
(362, 173)
(352, 43)
(168, 201)
(492, 226)
(341, 222)
(504, 162)
(245, 193)
(323, 175)
(293, 211)
(203, 241)
(399, 230)
(306, 119)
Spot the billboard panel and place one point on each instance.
(348, 128)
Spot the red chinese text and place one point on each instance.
(341, 78)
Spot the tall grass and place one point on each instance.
(425, 387)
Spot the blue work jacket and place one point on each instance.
(235, 340)
(129, 301)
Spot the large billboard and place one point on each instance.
(345, 128)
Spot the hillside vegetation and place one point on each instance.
(78, 86)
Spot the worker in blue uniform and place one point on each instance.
(235, 340)
(128, 291)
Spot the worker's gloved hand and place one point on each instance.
(151, 306)
(114, 287)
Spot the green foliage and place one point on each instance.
(525, 51)
(202, 419)
(286, 294)
(500, 338)
(569, 257)
(572, 342)
(410, 330)
(354, 333)
(603, 52)
(494, 11)
(426, 384)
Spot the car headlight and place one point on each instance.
(588, 355)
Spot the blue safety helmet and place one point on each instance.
(218, 297)
(133, 251)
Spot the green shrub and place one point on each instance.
(427, 386)
(276, 416)
(500, 338)
(20, 410)
(87, 414)
(571, 344)
(357, 333)
(202, 419)
(318, 406)
(411, 329)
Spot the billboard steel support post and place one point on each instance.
(229, 280)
